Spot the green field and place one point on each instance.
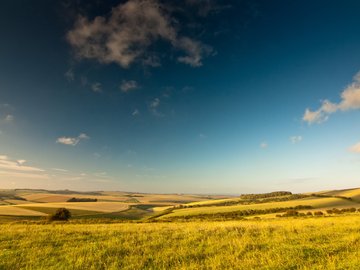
(301, 243)
(172, 231)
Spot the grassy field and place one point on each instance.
(316, 203)
(113, 205)
(289, 243)
(173, 231)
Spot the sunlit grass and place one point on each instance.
(301, 243)
(320, 203)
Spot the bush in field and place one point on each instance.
(291, 213)
(82, 200)
(309, 213)
(62, 214)
(318, 213)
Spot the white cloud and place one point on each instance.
(72, 140)
(154, 107)
(295, 139)
(96, 87)
(84, 136)
(20, 162)
(16, 165)
(9, 118)
(152, 61)
(69, 75)
(202, 136)
(59, 170)
(355, 148)
(126, 35)
(135, 112)
(350, 100)
(22, 175)
(155, 103)
(264, 145)
(127, 86)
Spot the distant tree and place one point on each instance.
(82, 200)
(61, 214)
(318, 213)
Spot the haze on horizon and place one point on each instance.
(195, 96)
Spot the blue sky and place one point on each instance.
(196, 96)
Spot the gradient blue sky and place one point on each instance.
(195, 96)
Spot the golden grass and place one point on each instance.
(105, 207)
(319, 203)
(16, 201)
(12, 210)
(303, 243)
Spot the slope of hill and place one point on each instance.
(123, 205)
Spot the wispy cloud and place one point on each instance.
(154, 107)
(295, 139)
(72, 140)
(60, 170)
(96, 87)
(70, 75)
(125, 36)
(127, 86)
(202, 136)
(9, 118)
(355, 148)
(16, 168)
(136, 112)
(264, 145)
(350, 100)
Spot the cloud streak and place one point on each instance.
(127, 86)
(73, 141)
(350, 100)
(295, 139)
(264, 145)
(127, 34)
(355, 148)
(16, 168)
(96, 87)
(154, 107)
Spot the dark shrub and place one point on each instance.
(62, 214)
(318, 213)
(309, 213)
(81, 200)
(291, 213)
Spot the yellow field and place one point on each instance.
(351, 193)
(45, 197)
(106, 207)
(44, 202)
(17, 211)
(303, 243)
(16, 202)
(318, 203)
